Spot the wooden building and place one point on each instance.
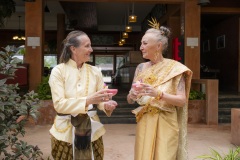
(210, 35)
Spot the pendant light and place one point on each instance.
(132, 17)
(20, 35)
(125, 35)
(127, 28)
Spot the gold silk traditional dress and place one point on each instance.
(161, 127)
(70, 87)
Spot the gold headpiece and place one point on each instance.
(154, 23)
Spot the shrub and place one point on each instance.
(15, 111)
(193, 95)
(43, 89)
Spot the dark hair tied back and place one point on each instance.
(71, 40)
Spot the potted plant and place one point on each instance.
(196, 107)
(47, 110)
(15, 111)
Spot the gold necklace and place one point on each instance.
(154, 76)
(86, 93)
(150, 77)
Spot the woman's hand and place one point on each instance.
(98, 97)
(110, 105)
(147, 90)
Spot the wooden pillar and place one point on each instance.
(34, 32)
(60, 32)
(191, 14)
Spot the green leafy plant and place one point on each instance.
(233, 154)
(43, 89)
(194, 94)
(15, 110)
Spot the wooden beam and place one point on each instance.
(220, 10)
(148, 1)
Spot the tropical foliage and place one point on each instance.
(15, 110)
(43, 89)
(233, 154)
(194, 94)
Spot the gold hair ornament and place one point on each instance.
(154, 23)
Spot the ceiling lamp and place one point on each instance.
(203, 2)
(128, 29)
(132, 17)
(120, 43)
(19, 36)
(125, 35)
(123, 40)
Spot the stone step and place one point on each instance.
(122, 114)
(229, 104)
(118, 119)
(120, 98)
(224, 115)
(118, 111)
(228, 98)
(225, 103)
(224, 111)
(224, 118)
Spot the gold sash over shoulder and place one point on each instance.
(161, 132)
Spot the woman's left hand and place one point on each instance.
(148, 90)
(110, 105)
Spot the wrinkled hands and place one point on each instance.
(100, 96)
(142, 89)
(110, 105)
(103, 95)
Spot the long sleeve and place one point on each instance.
(64, 99)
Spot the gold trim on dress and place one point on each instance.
(147, 109)
(61, 130)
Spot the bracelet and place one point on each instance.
(159, 95)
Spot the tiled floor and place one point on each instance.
(119, 140)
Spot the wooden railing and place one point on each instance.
(211, 91)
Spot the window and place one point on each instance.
(50, 60)
(105, 64)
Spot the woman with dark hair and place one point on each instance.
(161, 88)
(77, 88)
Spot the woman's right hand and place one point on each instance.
(98, 97)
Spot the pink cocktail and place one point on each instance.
(113, 91)
(137, 86)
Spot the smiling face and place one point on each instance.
(150, 46)
(82, 53)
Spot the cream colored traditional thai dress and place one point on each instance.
(162, 128)
(70, 86)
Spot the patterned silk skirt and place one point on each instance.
(63, 150)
